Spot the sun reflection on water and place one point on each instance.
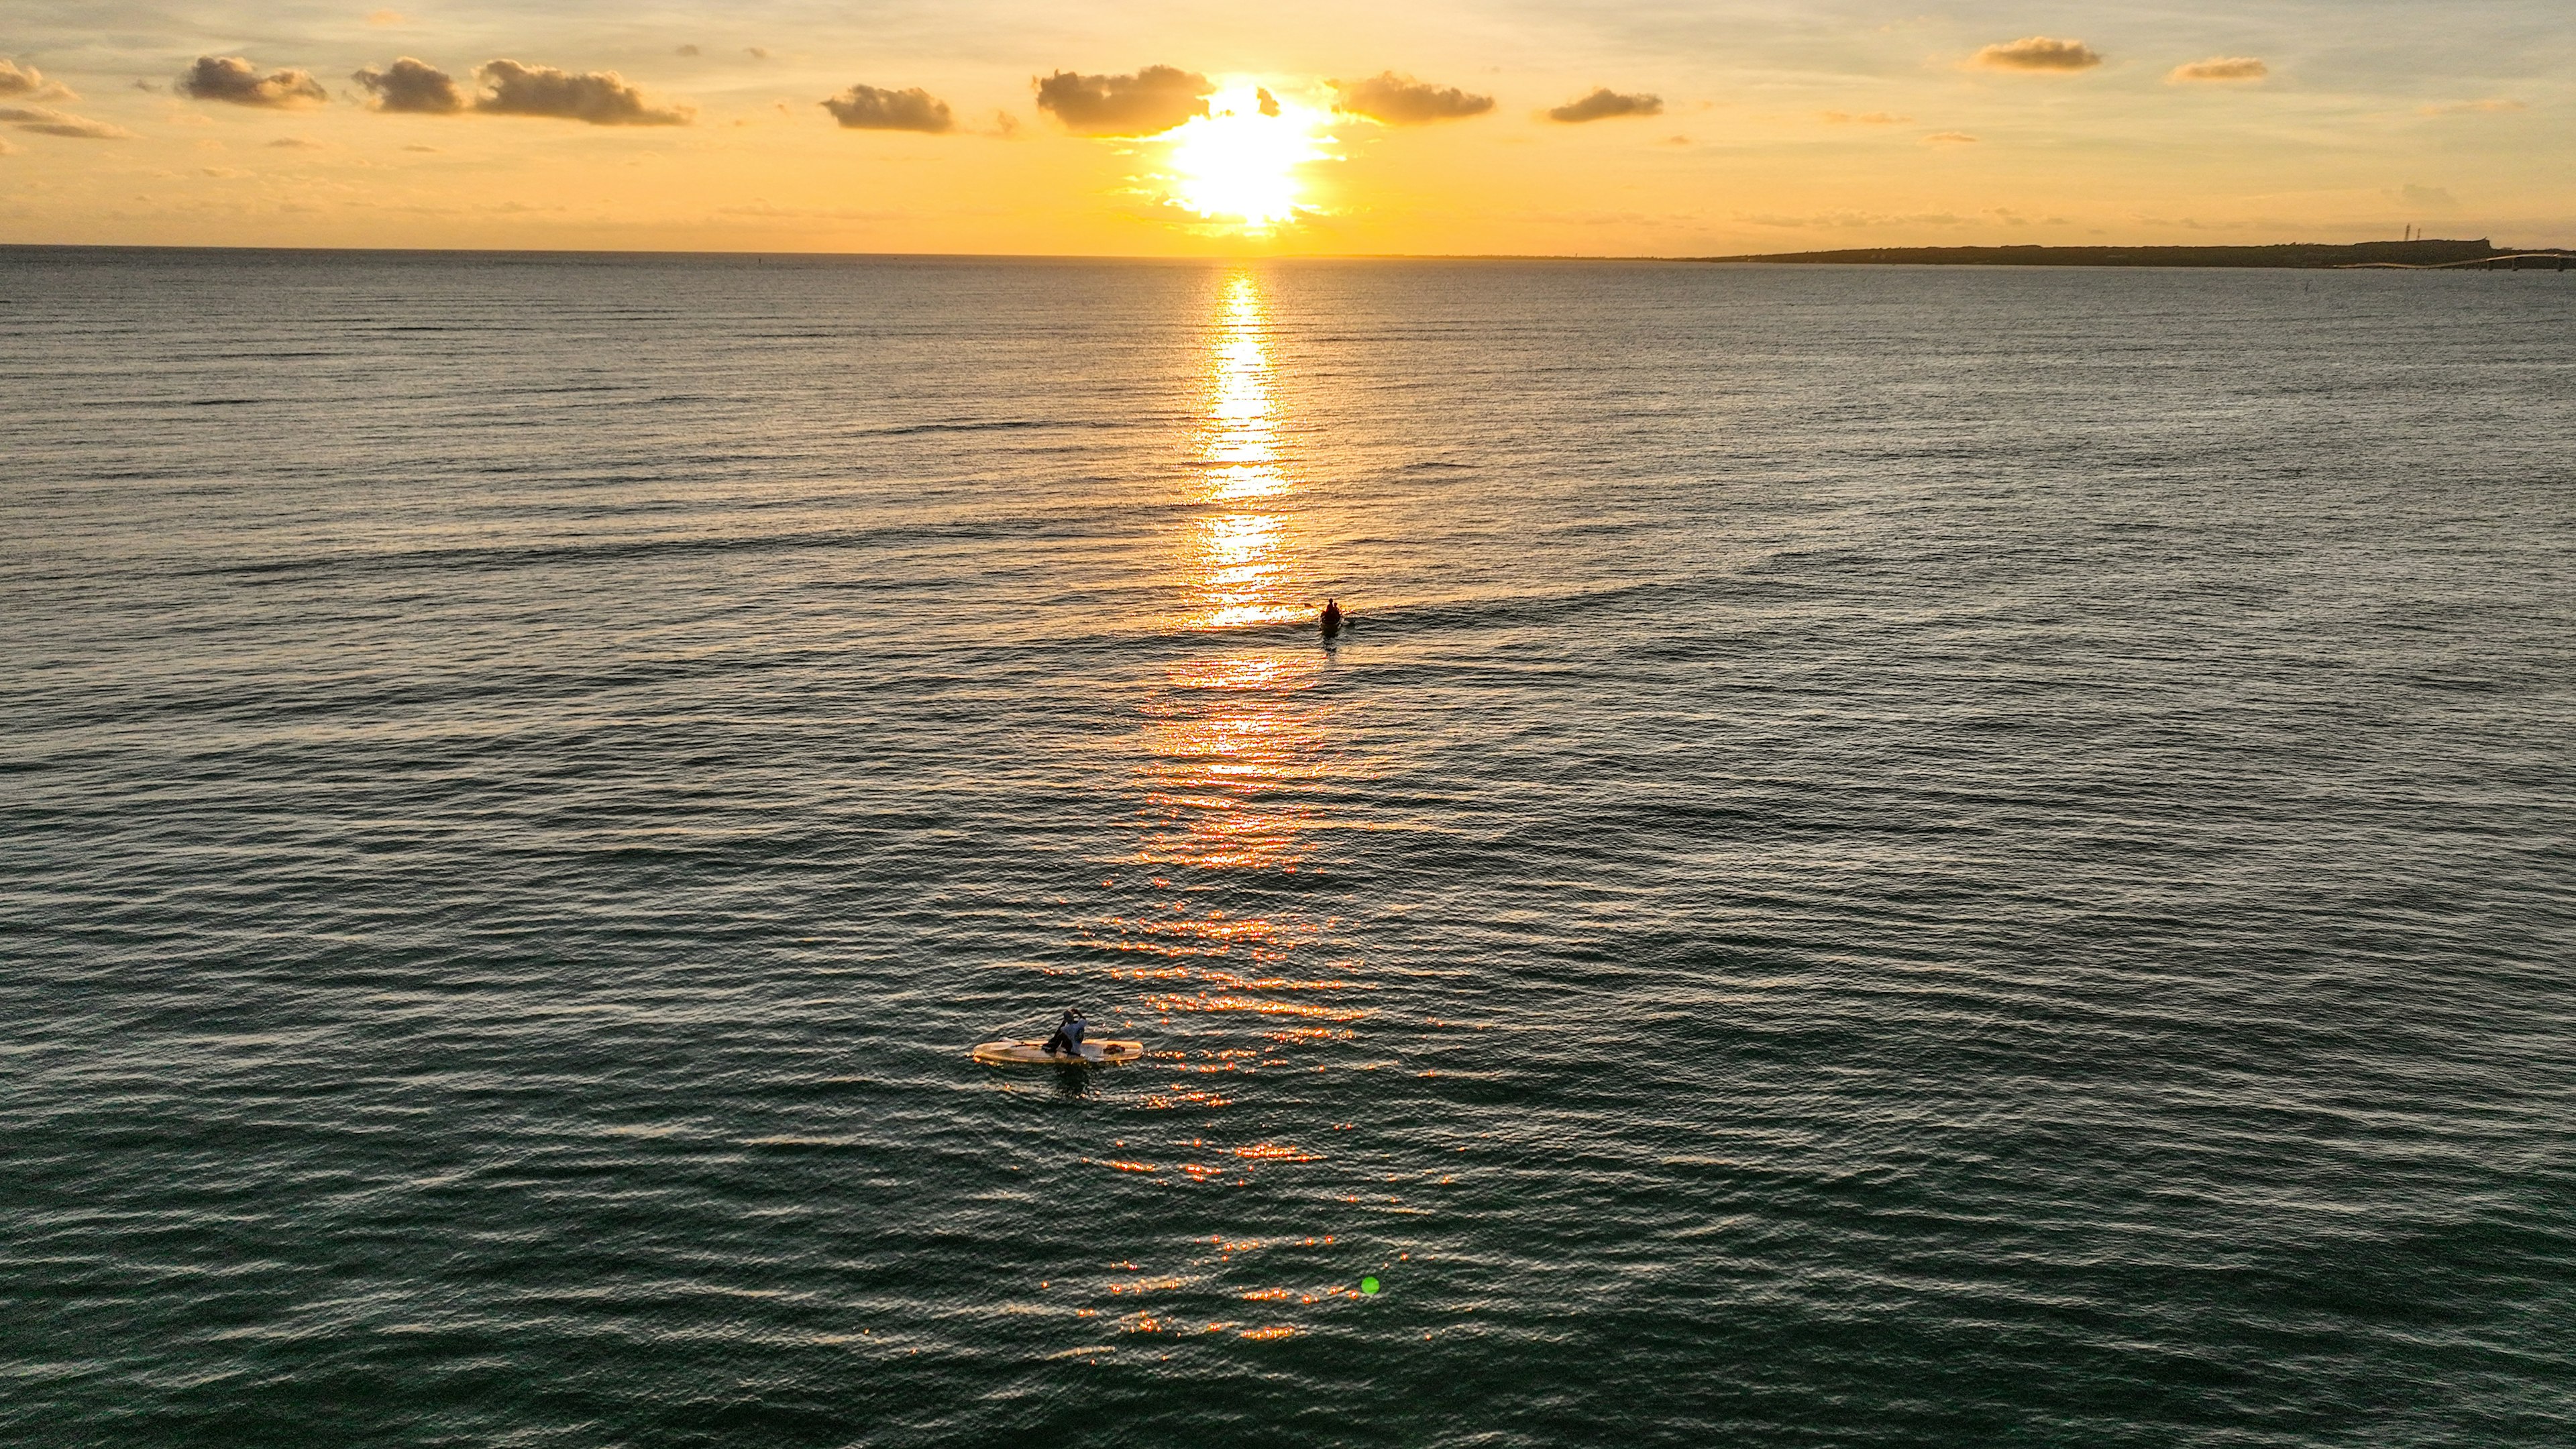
(1240, 561)
(1238, 776)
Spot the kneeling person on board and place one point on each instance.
(1068, 1034)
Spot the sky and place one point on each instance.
(1440, 127)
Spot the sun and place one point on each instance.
(1238, 163)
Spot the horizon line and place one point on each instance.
(1221, 259)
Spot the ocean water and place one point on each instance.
(1896, 857)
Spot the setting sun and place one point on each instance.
(1239, 162)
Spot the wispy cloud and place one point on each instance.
(413, 87)
(2037, 53)
(2470, 108)
(26, 83)
(867, 108)
(294, 143)
(47, 122)
(1400, 100)
(1151, 101)
(388, 18)
(1949, 138)
(235, 81)
(2219, 68)
(1605, 104)
(1865, 118)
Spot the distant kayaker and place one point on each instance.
(1332, 618)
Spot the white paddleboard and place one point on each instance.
(1006, 1053)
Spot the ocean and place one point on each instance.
(1894, 856)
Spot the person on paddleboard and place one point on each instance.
(1332, 617)
(1068, 1034)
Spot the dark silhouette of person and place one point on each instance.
(1332, 618)
(1068, 1034)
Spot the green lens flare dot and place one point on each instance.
(1368, 1285)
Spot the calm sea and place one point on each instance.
(1896, 857)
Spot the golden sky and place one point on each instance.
(1446, 127)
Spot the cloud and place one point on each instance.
(2037, 53)
(866, 108)
(432, 150)
(1949, 138)
(1606, 104)
(233, 80)
(294, 143)
(28, 84)
(686, 50)
(2470, 108)
(2431, 198)
(1866, 118)
(600, 97)
(1400, 100)
(54, 123)
(413, 87)
(389, 17)
(1151, 101)
(2218, 68)
(755, 52)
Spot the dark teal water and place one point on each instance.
(1899, 857)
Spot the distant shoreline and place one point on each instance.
(2398, 255)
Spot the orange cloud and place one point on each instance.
(28, 83)
(2037, 53)
(2470, 108)
(2219, 68)
(46, 122)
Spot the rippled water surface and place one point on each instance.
(1896, 857)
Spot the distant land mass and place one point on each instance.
(2431, 253)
